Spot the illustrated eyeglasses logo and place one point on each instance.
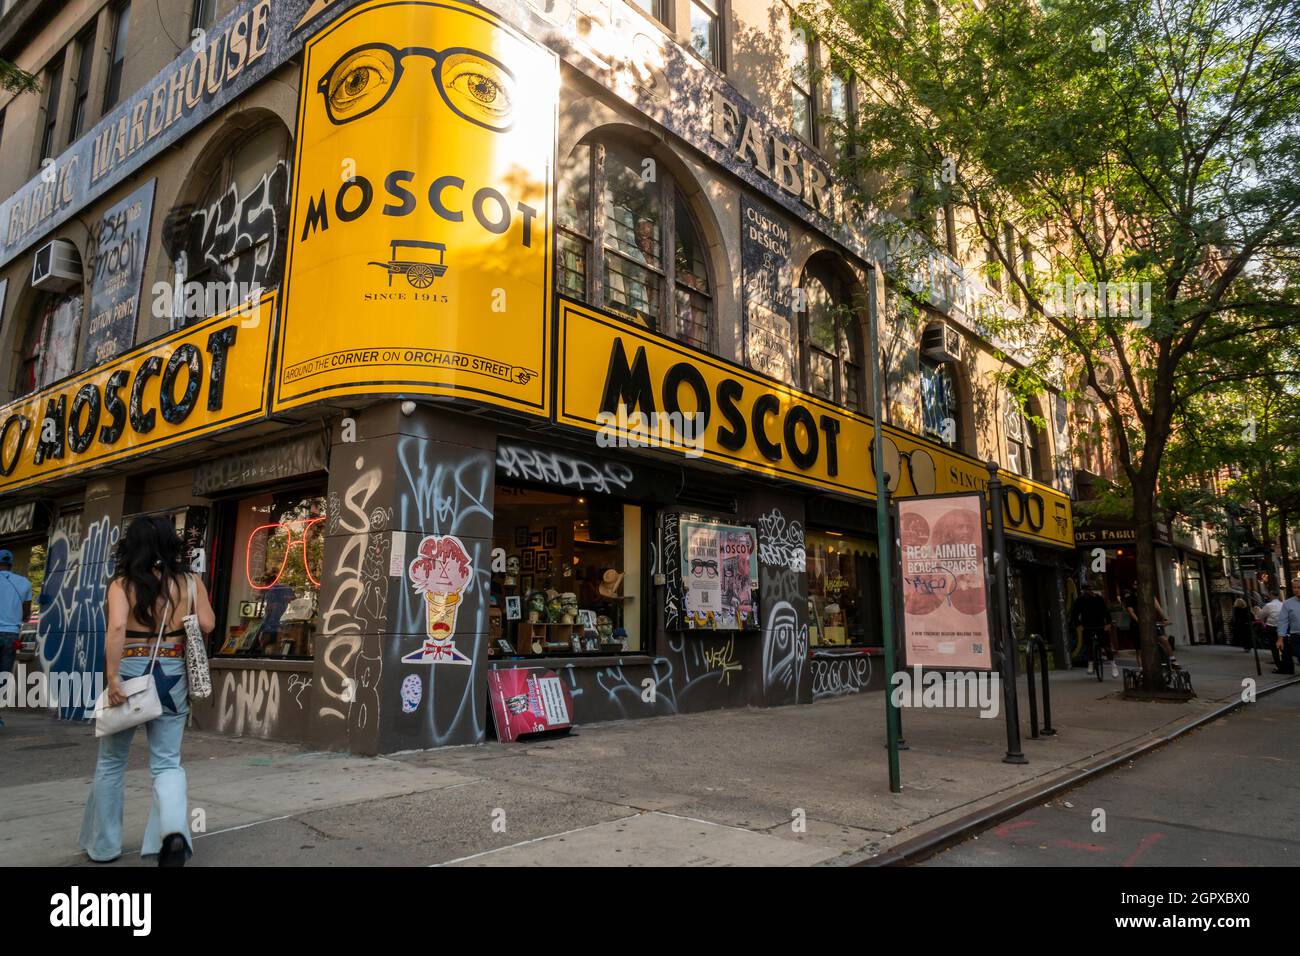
(275, 541)
(703, 566)
(475, 86)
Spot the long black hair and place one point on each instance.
(150, 562)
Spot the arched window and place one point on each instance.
(1022, 444)
(47, 350)
(638, 251)
(831, 367)
(233, 238)
(940, 403)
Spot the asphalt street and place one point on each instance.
(1224, 795)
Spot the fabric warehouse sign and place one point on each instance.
(945, 592)
(426, 268)
(121, 240)
(199, 380)
(652, 385)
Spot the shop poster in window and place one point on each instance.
(719, 576)
(945, 606)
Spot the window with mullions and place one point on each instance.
(53, 86)
(706, 30)
(831, 366)
(940, 408)
(639, 251)
(203, 15)
(1022, 445)
(659, 9)
(81, 94)
(801, 80)
(117, 55)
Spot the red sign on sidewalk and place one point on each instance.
(528, 701)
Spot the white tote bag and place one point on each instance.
(196, 653)
(142, 703)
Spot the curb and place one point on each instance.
(928, 844)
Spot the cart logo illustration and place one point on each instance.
(419, 273)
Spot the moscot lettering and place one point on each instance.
(447, 197)
(778, 428)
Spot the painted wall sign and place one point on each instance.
(204, 378)
(419, 249)
(254, 466)
(239, 52)
(19, 519)
(767, 281)
(762, 425)
(945, 599)
(121, 241)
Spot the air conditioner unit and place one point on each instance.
(941, 342)
(56, 267)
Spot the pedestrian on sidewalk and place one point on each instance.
(1288, 631)
(148, 596)
(1268, 616)
(1162, 621)
(1243, 624)
(15, 609)
(1092, 615)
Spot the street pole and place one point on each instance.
(1234, 570)
(883, 534)
(1002, 601)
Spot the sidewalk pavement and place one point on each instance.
(721, 788)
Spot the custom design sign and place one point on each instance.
(419, 248)
(121, 241)
(440, 573)
(762, 425)
(719, 574)
(199, 380)
(767, 282)
(945, 595)
(528, 701)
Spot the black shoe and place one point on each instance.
(173, 851)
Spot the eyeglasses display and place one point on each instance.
(279, 550)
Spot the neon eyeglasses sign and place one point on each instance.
(269, 530)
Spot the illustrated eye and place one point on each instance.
(359, 82)
(479, 89)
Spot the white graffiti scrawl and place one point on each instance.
(781, 542)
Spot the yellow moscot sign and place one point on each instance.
(759, 424)
(419, 254)
(201, 379)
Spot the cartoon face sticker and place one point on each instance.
(412, 692)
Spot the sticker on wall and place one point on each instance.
(439, 573)
(412, 691)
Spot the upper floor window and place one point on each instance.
(706, 30)
(1022, 445)
(203, 15)
(659, 9)
(117, 54)
(801, 80)
(48, 344)
(940, 403)
(831, 365)
(81, 88)
(53, 87)
(639, 251)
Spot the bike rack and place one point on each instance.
(1035, 641)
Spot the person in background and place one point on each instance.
(148, 600)
(15, 609)
(1287, 644)
(1242, 625)
(1130, 606)
(1268, 615)
(1092, 614)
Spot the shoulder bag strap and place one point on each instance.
(189, 579)
(162, 626)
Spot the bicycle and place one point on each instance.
(1098, 639)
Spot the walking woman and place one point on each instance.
(149, 595)
(1243, 623)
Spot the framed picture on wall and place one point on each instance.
(526, 583)
(550, 537)
(529, 562)
(521, 536)
(534, 539)
(543, 560)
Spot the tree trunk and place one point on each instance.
(1286, 548)
(1144, 526)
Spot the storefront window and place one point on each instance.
(572, 578)
(279, 547)
(843, 590)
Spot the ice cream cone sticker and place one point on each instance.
(439, 573)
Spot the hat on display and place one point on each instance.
(611, 584)
(6, 556)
